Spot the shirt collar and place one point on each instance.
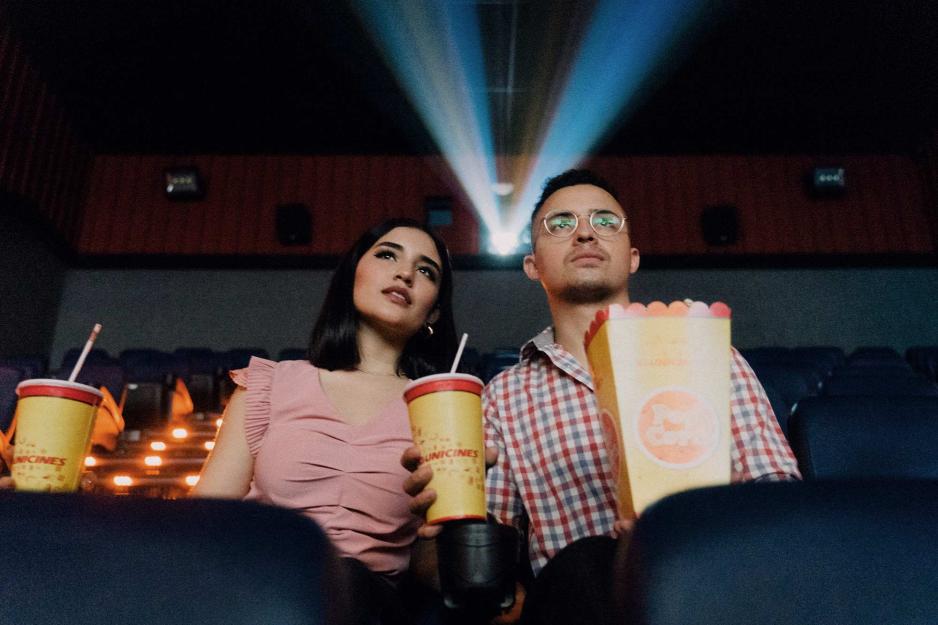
(545, 344)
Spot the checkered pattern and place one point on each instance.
(552, 472)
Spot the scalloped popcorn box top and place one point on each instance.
(662, 379)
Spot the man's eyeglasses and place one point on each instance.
(604, 222)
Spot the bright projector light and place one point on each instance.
(504, 243)
(501, 189)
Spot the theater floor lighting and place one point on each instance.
(209, 445)
(123, 480)
(158, 446)
(218, 422)
(153, 461)
(192, 480)
(90, 461)
(180, 433)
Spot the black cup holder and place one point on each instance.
(478, 565)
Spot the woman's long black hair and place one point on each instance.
(334, 345)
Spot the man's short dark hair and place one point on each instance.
(570, 178)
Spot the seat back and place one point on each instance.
(204, 369)
(924, 359)
(96, 354)
(825, 553)
(793, 382)
(239, 357)
(33, 365)
(826, 357)
(83, 559)
(882, 384)
(107, 374)
(865, 437)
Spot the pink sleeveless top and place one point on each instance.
(346, 478)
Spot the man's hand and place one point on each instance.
(623, 527)
(416, 485)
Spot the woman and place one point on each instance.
(325, 436)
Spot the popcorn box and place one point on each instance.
(662, 380)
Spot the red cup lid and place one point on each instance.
(59, 388)
(442, 382)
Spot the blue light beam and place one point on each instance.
(624, 43)
(434, 49)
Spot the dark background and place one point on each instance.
(291, 76)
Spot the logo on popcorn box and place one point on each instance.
(676, 428)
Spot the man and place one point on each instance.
(552, 476)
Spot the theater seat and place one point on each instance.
(880, 384)
(819, 553)
(86, 560)
(863, 437)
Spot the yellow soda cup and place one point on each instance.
(446, 420)
(54, 420)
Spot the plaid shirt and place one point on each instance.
(552, 472)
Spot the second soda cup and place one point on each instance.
(446, 421)
(54, 420)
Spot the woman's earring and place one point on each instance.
(429, 330)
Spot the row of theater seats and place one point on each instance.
(790, 375)
(143, 380)
(878, 430)
(824, 552)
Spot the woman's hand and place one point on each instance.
(416, 485)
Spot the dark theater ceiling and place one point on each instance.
(291, 76)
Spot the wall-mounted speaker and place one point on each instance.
(183, 183)
(826, 182)
(720, 224)
(438, 210)
(294, 224)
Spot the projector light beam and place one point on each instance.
(597, 72)
(434, 50)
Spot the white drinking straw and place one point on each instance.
(462, 344)
(84, 353)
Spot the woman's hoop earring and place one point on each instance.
(429, 330)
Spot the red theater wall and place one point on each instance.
(883, 211)
(42, 160)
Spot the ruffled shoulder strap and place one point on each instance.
(257, 378)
